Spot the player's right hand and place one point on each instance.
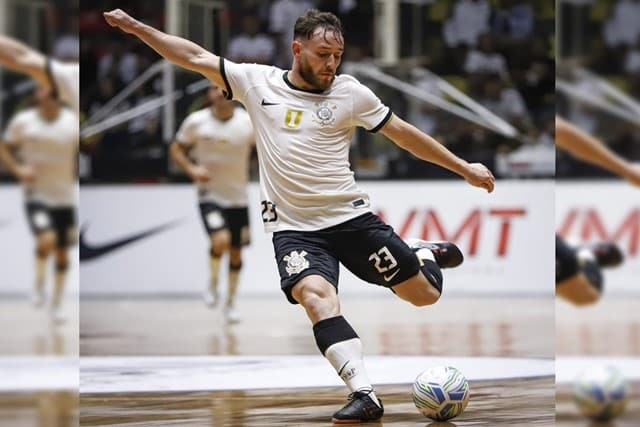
(479, 175)
(119, 18)
(199, 174)
(26, 174)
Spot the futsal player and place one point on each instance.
(39, 147)
(304, 119)
(219, 138)
(578, 270)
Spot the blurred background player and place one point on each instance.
(61, 78)
(598, 141)
(312, 203)
(578, 276)
(45, 141)
(219, 138)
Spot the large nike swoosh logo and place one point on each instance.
(91, 251)
(391, 276)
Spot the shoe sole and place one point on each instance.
(341, 422)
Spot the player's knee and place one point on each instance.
(431, 293)
(220, 243)
(586, 300)
(235, 259)
(62, 266)
(315, 294)
(45, 244)
(427, 296)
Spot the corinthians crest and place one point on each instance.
(296, 262)
(324, 113)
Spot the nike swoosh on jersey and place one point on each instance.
(266, 104)
(93, 251)
(391, 276)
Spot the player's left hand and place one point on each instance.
(479, 175)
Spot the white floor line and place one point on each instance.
(33, 373)
(568, 368)
(217, 373)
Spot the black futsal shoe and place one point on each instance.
(359, 409)
(446, 254)
(606, 254)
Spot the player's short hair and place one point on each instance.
(307, 24)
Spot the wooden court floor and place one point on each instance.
(517, 327)
(609, 328)
(271, 326)
(43, 409)
(513, 403)
(26, 330)
(567, 414)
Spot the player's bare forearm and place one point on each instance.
(178, 155)
(589, 149)
(177, 50)
(7, 159)
(426, 148)
(19, 57)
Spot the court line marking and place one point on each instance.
(569, 367)
(223, 373)
(39, 373)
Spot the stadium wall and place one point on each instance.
(502, 236)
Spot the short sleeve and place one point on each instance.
(65, 81)
(368, 111)
(235, 78)
(186, 133)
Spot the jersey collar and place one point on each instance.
(294, 87)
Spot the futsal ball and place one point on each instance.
(441, 393)
(601, 393)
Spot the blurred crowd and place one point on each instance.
(499, 52)
(610, 47)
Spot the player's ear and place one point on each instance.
(296, 46)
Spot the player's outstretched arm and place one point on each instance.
(426, 148)
(589, 149)
(180, 51)
(21, 58)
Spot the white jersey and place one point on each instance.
(223, 148)
(65, 80)
(303, 139)
(51, 149)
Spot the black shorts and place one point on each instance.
(566, 261)
(236, 220)
(43, 218)
(365, 245)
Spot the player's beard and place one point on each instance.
(307, 74)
